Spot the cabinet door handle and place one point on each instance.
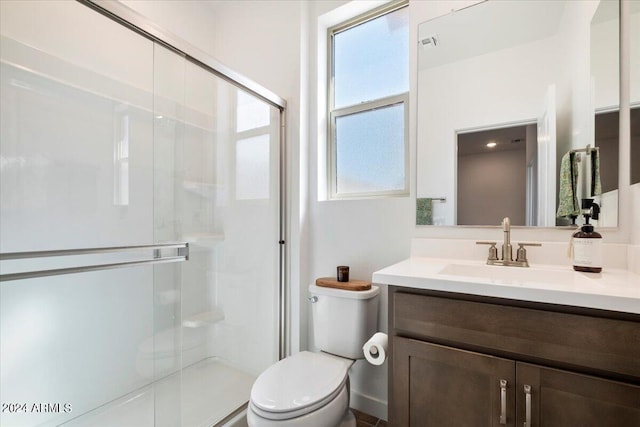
(527, 395)
(503, 401)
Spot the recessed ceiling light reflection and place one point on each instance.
(491, 144)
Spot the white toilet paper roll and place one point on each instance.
(375, 350)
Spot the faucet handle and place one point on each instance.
(522, 252)
(506, 223)
(493, 251)
(529, 244)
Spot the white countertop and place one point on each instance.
(617, 290)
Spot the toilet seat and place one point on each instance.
(298, 385)
(333, 414)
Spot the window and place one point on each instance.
(368, 104)
(253, 148)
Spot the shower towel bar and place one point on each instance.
(182, 255)
(85, 251)
(588, 149)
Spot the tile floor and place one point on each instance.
(366, 420)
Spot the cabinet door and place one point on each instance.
(433, 385)
(561, 398)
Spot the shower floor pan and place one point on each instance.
(201, 395)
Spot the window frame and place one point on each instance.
(371, 105)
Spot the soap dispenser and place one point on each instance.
(587, 244)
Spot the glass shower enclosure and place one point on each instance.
(140, 226)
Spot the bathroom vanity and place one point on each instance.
(476, 345)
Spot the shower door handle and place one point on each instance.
(181, 254)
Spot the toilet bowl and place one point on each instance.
(311, 389)
(306, 389)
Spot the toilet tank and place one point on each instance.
(343, 320)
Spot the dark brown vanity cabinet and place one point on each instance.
(473, 361)
(434, 385)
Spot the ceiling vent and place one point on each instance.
(429, 42)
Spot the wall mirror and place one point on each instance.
(635, 90)
(505, 90)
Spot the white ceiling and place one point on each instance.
(487, 27)
(507, 139)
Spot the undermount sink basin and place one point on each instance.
(504, 274)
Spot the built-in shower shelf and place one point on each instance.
(207, 240)
(206, 318)
(203, 189)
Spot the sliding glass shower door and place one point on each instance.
(139, 227)
(217, 188)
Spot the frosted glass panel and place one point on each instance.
(252, 168)
(166, 344)
(371, 60)
(75, 142)
(370, 151)
(74, 340)
(252, 113)
(247, 259)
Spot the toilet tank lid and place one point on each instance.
(298, 381)
(320, 290)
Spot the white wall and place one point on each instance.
(604, 52)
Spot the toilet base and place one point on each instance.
(349, 420)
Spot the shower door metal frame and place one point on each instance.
(152, 31)
(181, 248)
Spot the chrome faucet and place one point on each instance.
(507, 249)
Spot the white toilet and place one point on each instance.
(312, 389)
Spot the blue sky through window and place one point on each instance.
(371, 60)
